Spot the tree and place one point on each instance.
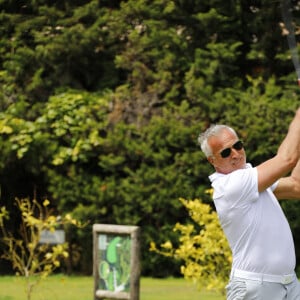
(52, 44)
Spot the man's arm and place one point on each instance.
(289, 187)
(285, 160)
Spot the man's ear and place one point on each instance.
(211, 160)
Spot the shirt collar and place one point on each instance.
(216, 175)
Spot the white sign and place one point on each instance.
(55, 237)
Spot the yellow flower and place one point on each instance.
(48, 255)
(203, 248)
(46, 202)
(167, 245)
(153, 246)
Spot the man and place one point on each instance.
(250, 215)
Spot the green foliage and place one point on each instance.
(38, 37)
(74, 121)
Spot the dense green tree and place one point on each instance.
(46, 45)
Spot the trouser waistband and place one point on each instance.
(283, 279)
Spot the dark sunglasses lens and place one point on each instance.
(238, 145)
(225, 153)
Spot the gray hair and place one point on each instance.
(213, 130)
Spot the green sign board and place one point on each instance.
(116, 262)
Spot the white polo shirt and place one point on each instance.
(254, 223)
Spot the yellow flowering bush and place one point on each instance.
(29, 257)
(202, 246)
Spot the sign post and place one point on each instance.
(116, 265)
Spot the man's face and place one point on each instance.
(236, 158)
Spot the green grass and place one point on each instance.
(61, 287)
(171, 288)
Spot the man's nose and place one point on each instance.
(234, 152)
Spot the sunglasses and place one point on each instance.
(237, 146)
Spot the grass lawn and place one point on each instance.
(61, 287)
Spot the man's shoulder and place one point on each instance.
(235, 183)
(234, 175)
(235, 189)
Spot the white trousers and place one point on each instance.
(248, 289)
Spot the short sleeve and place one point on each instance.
(238, 188)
